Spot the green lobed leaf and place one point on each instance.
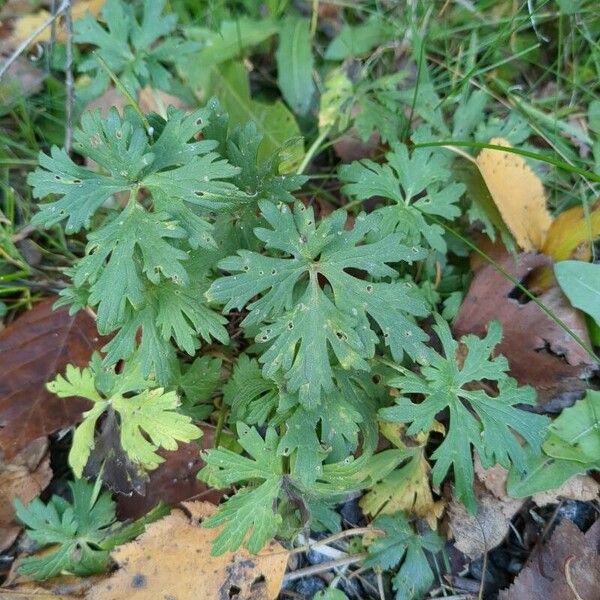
(403, 550)
(81, 532)
(413, 181)
(250, 515)
(476, 419)
(134, 50)
(304, 322)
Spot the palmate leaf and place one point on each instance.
(138, 272)
(403, 550)
(131, 48)
(171, 167)
(414, 182)
(148, 418)
(251, 513)
(476, 419)
(81, 532)
(303, 321)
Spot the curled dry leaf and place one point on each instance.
(172, 560)
(572, 233)
(539, 351)
(33, 350)
(567, 567)
(518, 193)
(24, 478)
(474, 535)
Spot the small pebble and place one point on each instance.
(309, 586)
(582, 514)
(352, 513)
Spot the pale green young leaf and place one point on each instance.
(541, 474)
(148, 418)
(575, 433)
(295, 64)
(354, 40)
(281, 134)
(476, 419)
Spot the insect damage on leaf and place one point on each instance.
(301, 320)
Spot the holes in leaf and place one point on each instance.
(199, 121)
(119, 134)
(273, 271)
(290, 325)
(199, 194)
(369, 288)
(341, 336)
(246, 268)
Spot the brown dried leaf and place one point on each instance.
(24, 478)
(174, 481)
(565, 568)
(518, 193)
(172, 560)
(33, 350)
(474, 535)
(539, 352)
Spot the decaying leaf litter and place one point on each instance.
(404, 398)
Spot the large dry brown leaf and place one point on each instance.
(475, 535)
(518, 193)
(24, 478)
(565, 568)
(33, 350)
(172, 560)
(540, 353)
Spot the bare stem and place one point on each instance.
(326, 566)
(69, 83)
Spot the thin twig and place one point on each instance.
(569, 579)
(25, 44)
(326, 566)
(335, 537)
(69, 83)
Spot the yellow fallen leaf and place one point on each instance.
(172, 560)
(570, 234)
(24, 26)
(518, 193)
(407, 488)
